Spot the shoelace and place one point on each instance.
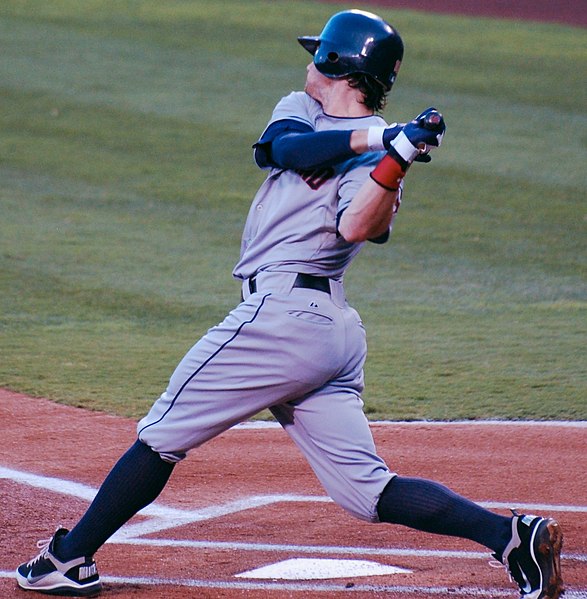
(43, 545)
(495, 563)
(505, 565)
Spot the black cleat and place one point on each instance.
(47, 574)
(532, 557)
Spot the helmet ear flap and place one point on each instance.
(332, 57)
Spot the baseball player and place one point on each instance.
(335, 176)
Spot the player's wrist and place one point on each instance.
(379, 138)
(388, 173)
(375, 139)
(404, 147)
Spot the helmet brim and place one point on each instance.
(310, 43)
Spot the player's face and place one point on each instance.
(316, 83)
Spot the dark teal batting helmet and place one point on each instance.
(356, 41)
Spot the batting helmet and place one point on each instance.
(356, 41)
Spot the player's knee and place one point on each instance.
(360, 507)
(359, 495)
(171, 457)
(366, 515)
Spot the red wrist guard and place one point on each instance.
(388, 173)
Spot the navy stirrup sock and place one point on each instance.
(135, 481)
(429, 506)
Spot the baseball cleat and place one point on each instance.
(47, 574)
(532, 557)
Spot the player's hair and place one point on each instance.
(374, 94)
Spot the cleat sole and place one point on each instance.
(551, 550)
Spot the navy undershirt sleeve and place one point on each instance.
(292, 144)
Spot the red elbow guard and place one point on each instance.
(388, 173)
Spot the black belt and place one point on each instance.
(302, 280)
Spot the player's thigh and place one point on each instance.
(331, 430)
(262, 354)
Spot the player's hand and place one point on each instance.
(391, 132)
(417, 138)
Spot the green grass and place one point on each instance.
(126, 174)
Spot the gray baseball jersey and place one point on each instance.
(297, 231)
(297, 351)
